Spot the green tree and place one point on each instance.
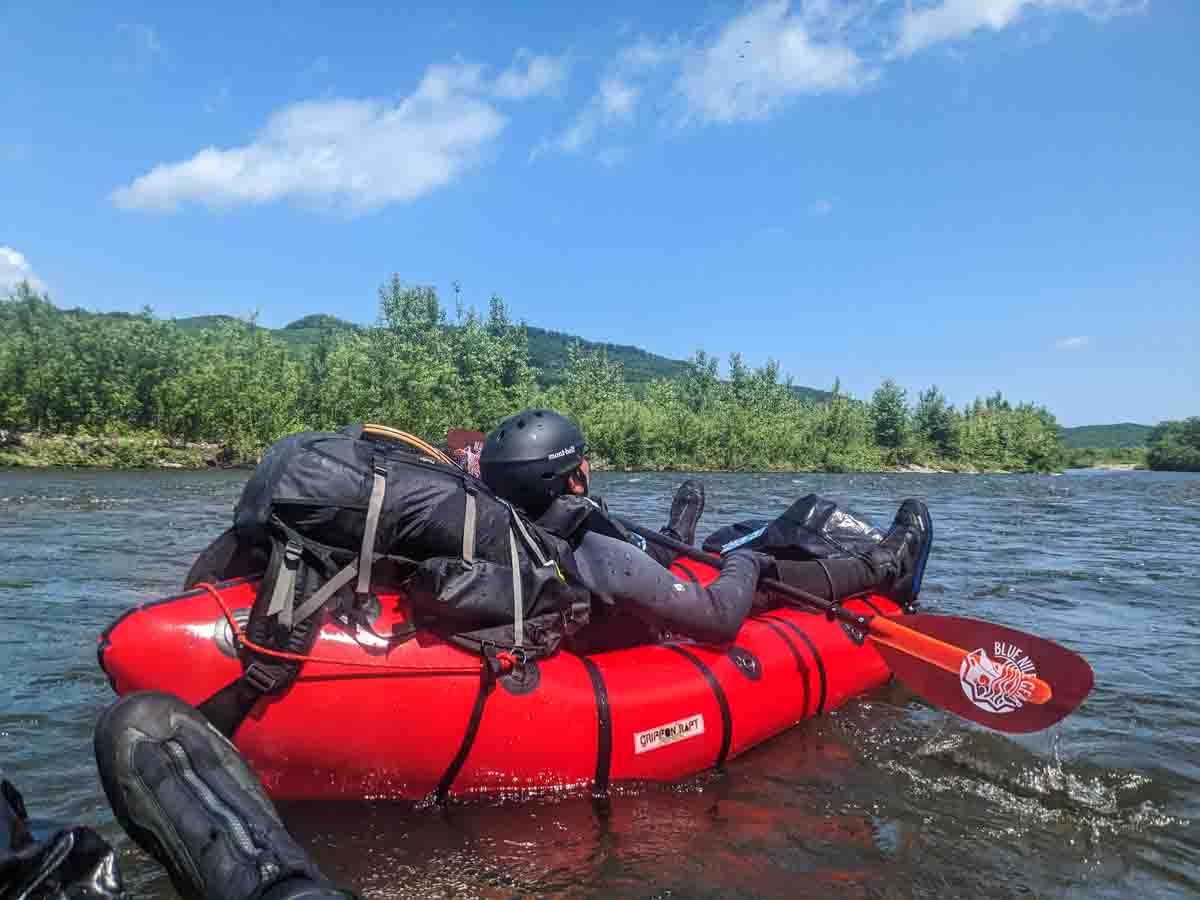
(700, 381)
(1175, 446)
(889, 415)
(236, 385)
(934, 421)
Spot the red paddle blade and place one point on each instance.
(996, 675)
(463, 438)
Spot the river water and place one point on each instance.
(886, 797)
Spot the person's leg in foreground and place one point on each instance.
(185, 795)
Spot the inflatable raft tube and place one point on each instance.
(429, 726)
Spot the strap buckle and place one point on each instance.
(263, 677)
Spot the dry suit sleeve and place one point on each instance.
(620, 573)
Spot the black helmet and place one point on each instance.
(528, 458)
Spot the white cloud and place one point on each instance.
(766, 57)
(752, 66)
(617, 99)
(541, 75)
(1072, 343)
(14, 269)
(614, 103)
(646, 54)
(360, 154)
(821, 207)
(949, 20)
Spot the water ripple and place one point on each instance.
(886, 797)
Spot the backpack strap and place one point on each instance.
(518, 599)
(366, 553)
(531, 544)
(322, 595)
(469, 518)
(283, 596)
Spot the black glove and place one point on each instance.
(767, 567)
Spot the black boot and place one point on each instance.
(903, 552)
(40, 859)
(686, 509)
(187, 797)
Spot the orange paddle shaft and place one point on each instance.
(909, 641)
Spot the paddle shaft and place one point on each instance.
(771, 584)
(938, 653)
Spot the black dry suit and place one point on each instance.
(335, 509)
(625, 577)
(817, 546)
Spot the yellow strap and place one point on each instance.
(405, 438)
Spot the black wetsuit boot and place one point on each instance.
(187, 797)
(45, 861)
(909, 541)
(686, 509)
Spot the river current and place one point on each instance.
(886, 797)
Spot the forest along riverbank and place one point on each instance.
(135, 451)
(241, 386)
(887, 796)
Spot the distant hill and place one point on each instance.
(548, 353)
(547, 350)
(1123, 434)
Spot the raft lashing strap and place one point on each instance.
(604, 730)
(365, 555)
(718, 694)
(487, 683)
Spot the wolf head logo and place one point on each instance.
(998, 685)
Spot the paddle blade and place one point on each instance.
(463, 438)
(988, 687)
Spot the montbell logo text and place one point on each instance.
(558, 454)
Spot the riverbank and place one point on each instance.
(138, 450)
(147, 450)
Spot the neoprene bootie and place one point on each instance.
(907, 544)
(187, 797)
(686, 509)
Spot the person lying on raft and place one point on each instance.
(537, 456)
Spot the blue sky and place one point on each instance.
(979, 194)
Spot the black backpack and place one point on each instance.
(331, 511)
(813, 527)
